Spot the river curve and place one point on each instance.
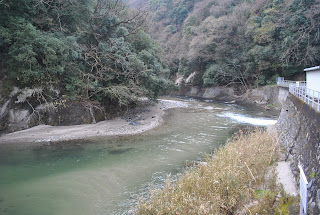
(106, 176)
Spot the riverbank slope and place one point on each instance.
(267, 97)
(232, 182)
(143, 118)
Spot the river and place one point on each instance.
(107, 176)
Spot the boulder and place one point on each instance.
(23, 110)
(194, 91)
(19, 119)
(218, 92)
(269, 95)
(70, 113)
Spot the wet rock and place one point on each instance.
(216, 92)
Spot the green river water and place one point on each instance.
(107, 176)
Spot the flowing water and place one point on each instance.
(106, 176)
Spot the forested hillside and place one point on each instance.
(86, 49)
(99, 50)
(247, 42)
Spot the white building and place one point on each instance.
(313, 78)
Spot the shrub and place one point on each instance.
(223, 185)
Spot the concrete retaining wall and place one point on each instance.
(299, 135)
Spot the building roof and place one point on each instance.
(312, 69)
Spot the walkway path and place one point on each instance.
(285, 178)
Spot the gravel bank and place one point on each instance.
(142, 119)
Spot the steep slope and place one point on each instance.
(95, 53)
(237, 42)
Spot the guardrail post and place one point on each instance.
(313, 99)
(303, 192)
(305, 96)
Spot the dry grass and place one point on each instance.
(224, 185)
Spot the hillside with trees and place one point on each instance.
(228, 42)
(109, 54)
(94, 50)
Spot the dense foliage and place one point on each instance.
(98, 50)
(249, 42)
(91, 49)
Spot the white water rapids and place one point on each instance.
(241, 118)
(106, 176)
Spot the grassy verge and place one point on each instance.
(233, 178)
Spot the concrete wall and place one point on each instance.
(313, 80)
(269, 95)
(299, 135)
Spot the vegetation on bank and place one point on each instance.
(234, 177)
(94, 50)
(247, 42)
(98, 50)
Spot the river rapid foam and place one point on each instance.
(241, 118)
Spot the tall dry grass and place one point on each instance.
(222, 186)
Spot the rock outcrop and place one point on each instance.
(24, 109)
(218, 93)
(274, 95)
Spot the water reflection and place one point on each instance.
(106, 176)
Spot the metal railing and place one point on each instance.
(285, 83)
(308, 96)
(300, 90)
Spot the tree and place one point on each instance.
(91, 50)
